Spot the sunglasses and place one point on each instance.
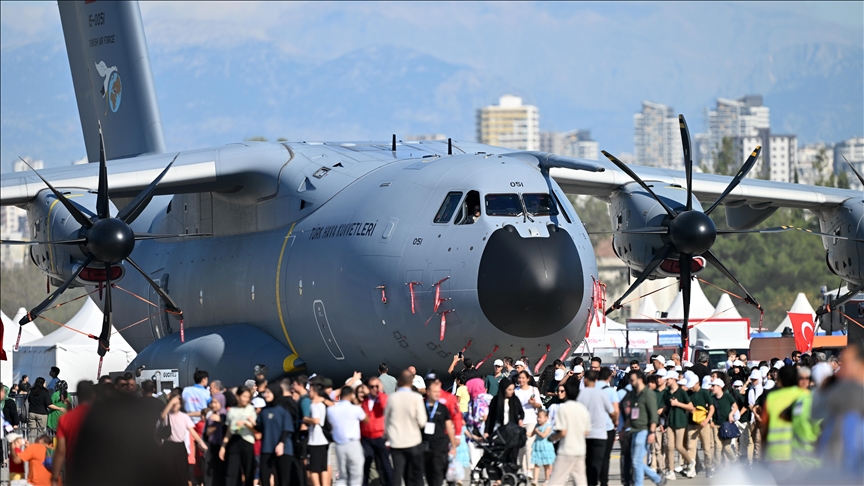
(373, 386)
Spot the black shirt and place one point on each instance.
(39, 399)
(438, 415)
(701, 371)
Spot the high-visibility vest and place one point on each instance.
(778, 442)
(805, 433)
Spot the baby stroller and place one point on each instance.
(499, 464)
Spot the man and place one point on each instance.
(656, 384)
(125, 383)
(345, 418)
(404, 418)
(467, 369)
(675, 405)
(725, 410)
(701, 368)
(439, 439)
(676, 359)
(519, 367)
(596, 361)
(572, 425)
(68, 427)
(24, 385)
(641, 407)
(753, 451)
(148, 389)
(388, 382)
(578, 374)
(600, 410)
(196, 397)
(492, 380)
(634, 365)
(372, 434)
(796, 357)
(833, 361)
(776, 429)
(604, 383)
(703, 408)
(54, 373)
(804, 378)
(509, 370)
(417, 381)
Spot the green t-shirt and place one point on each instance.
(54, 415)
(701, 398)
(676, 417)
(492, 384)
(722, 407)
(646, 404)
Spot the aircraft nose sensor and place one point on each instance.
(530, 287)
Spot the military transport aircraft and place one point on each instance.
(335, 256)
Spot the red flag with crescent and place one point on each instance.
(804, 330)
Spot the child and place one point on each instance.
(542, 453)
(34, 455)
(462, 395)
(16, 445)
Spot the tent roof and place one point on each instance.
(726, 308)
(800, 306)
(87, 320)
(29, 332)
(700, 307)
(647, 308)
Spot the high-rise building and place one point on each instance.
(744, 117)
(657, 137)
(552, 142)
(575, 143)
(815, 163)
(853, 151)
(509, 124)
(13, 224)
(780, 152)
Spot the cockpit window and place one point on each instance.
(539, 204)
(448, 207)
(503, 205)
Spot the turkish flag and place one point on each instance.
(804, 329)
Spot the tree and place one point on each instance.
(724, 158)
(24, 286)
(594, 214)
(256, 138)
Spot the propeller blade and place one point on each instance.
(629, 172)
(132, 210)
(170, 306)
(684, 262)
(157, 236)
(107, 315)
(76, 241)
(742, 173)
(34, 313)
(688, 159)
(76, 213)
(782, 229)
(711, 257)
(648, 230)
(860, 177)
(652, 265)
(102, 192)
(839, 300)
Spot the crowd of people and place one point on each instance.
(800, 417)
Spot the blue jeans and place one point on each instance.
(639, 448)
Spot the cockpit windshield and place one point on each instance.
(539, 204)
(503, 205)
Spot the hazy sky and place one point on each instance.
(585, 65)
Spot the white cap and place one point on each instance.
(706, 381)
(763, 371)
(519, 363)
(755, 375)
(718, 382)
(820, 372)
(738, 383)
(679, 368)
(779, 364)
(660, 372)
(498, 362)
(578, 369)
(258, 402)
(649, 367)
(12, 437)
(559, 374)
(672, 375)
(689, 374)
(683, 381)
(692, 381)
(769, 384)
(661, 359)
(737, 362)
(687, 364)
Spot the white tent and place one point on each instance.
(700, 307)
(726, 308)
(800, 306)
(73, 352)
(647, 308)
(611, 334)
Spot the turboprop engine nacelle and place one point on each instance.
(50, 221)
(845, 257)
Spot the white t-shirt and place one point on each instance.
(530, 411)
(316, 433)
(573, 417)
(418, 382)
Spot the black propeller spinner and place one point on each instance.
(690, 232)
(105, 240)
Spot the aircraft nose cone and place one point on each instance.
(530, 287)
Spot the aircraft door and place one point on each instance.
(326, 332)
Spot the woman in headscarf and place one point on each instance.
(276, 427)
(504, 408)
(8, 409)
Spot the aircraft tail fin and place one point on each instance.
(112, 76)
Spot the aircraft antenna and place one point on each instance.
(449, 146)
(393, 147)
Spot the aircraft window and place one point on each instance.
(503, 205)
(470, 209)
(539, 204)
(448, 207)
(561, 208)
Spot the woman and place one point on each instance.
(176, 448)
(60, 399)
(277, 427)
(8, 409)
(318, 443)
(39, 406)
(360, 394)
(547, 382)
(504, 408)
(529, 398)
(238, 446)
(214, 433)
